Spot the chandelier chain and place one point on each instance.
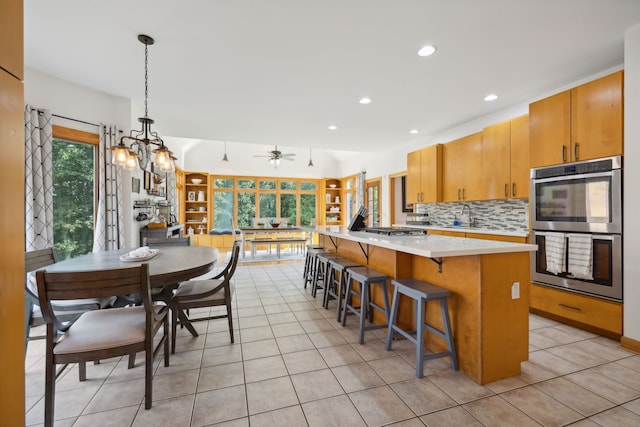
(146, 79)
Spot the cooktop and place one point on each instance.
(393, 231)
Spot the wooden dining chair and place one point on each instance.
(164, 294)
(66, 311)
(100, 334)
(217, 291)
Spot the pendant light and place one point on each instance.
(225, 158)
(125, 156)
(310, 164)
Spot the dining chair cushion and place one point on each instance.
(103, 329)
(195, 288)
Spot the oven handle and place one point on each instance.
(570, 177)
(593, 236)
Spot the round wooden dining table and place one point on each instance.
(172, 264)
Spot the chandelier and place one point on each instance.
(128, 157)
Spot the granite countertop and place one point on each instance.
(431, 246)
(463, 229)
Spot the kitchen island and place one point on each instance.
(489, 281)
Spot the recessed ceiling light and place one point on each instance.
(426, 50)
(333, 127)
(491, 97)
(414, 131)
(365, 100)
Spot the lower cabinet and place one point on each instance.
(598, 315)
(220, 241)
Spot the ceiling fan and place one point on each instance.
(275, 156)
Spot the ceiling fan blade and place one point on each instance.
(289, 158)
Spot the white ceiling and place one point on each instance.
(282, 71)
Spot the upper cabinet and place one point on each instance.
(424, 175)
(579, 124)
(11, 38)
(462, 160)
(596, 118)
(505, 159)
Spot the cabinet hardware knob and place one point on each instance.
(564, 156)
(513, 189)
(506, 190)
(575, 151)
(458, 194)
(463, 196)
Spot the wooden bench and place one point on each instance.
(301, 241)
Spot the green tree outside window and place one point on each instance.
(73, 198)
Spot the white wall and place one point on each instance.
(631, 237)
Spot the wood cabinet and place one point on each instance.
(332, 204)
(196, 203)
(11, 38)
(595, 314)
(505, 159)
(424, 175)
(583, 123)
(462, 159)
(12, 359)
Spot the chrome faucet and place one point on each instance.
(471, 220)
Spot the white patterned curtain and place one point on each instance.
(38, 179)
(109, 228)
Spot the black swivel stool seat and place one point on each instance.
(320, 272)
(309, 263)
(421, 292)
(366, 277)
(336, 281)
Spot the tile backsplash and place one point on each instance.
(506, 215)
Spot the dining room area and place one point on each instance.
(287, 361)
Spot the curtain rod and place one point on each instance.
(75, 120)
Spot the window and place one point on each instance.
(288, 198)
(307, 209)
(74, 157)
(267, 205)
(288, 208)
(246, 209)
(222, 209)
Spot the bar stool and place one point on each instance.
(320, 272)
(421, 292)
(336, 282)
(309, 263)
(366, 277)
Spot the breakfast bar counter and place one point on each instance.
(489, 281)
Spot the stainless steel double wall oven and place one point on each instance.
(571, 204)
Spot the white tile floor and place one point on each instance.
(294, 365)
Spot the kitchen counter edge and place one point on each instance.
(431, 246)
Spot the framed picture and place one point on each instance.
(147, 180)
(135, 185)
(405, 206)
(191, 196)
